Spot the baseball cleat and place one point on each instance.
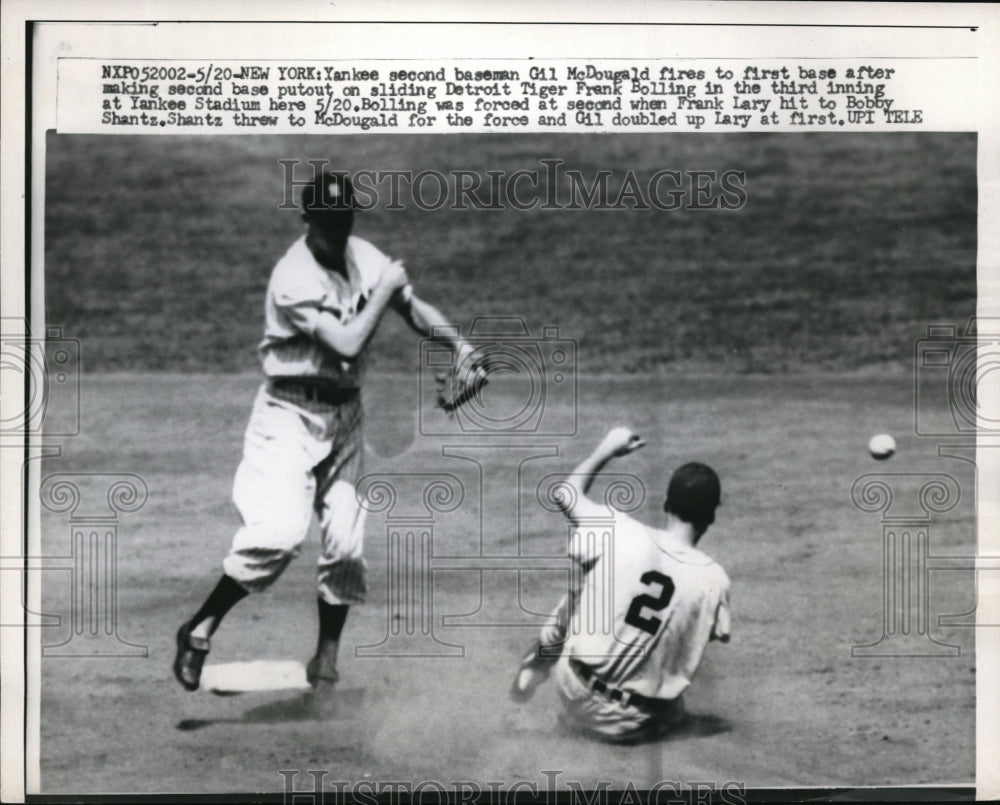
(317, 673)
(190, 657)
(533, 672)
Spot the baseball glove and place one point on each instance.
(460, 384)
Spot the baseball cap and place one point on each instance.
(329, 192)
(694, 492)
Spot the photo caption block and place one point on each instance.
(166, 96)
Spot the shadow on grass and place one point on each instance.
(344, 705)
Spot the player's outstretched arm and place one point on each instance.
(349, 340)
(573, 499)
(427, 320)
(430, 322)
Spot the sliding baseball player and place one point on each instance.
(663, 598)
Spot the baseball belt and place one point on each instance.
(647, 703)
(309, 389)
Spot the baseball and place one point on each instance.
(882, 446)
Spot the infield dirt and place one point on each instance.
(784, 703)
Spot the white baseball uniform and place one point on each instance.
(304, 445)
(632, 631)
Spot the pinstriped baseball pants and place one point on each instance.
(298, 458)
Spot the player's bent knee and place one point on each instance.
(257, 568)
(261, 537)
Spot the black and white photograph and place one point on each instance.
(609, 423)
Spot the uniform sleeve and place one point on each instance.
(370, 261)
(723, 622)
(300, 304)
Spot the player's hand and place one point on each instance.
(622, 441)
(394, 277)
(469, 372)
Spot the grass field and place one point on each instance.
(158, 249)
(770, 341)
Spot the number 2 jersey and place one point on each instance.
(645, 609)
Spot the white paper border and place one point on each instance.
(12, 164)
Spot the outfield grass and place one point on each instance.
(158, 249)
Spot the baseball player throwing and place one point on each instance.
(628, 638)
(303, 446)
